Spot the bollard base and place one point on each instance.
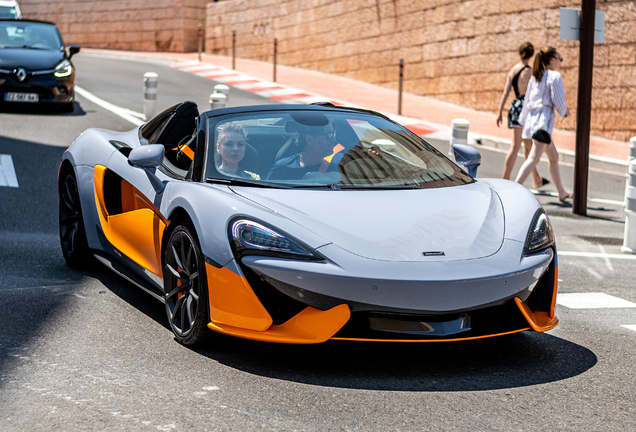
(629, 243)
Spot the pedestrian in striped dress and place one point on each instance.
(545, 94)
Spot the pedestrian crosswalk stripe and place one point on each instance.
(7, 172)
(597, 255)
(592, 301)
(630, 326)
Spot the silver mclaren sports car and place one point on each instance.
(305, 223)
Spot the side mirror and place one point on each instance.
(467, 157)
(148, 157)
(72, 50)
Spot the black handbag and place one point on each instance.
(542, 136)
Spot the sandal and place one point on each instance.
(569, 195)
(544, 181)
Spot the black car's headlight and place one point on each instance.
(540, 235)
(63, 69)
(251, 237)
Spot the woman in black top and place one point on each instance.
(517, 79)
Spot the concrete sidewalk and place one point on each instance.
(429, 117)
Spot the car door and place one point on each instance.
(129, 211)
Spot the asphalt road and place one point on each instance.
(89, 351)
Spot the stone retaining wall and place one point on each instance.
(454, 50)
(144, 25)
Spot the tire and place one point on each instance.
(72, 232)
(185, 286)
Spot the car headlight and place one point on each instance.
(251, 237)
(540, 235)
(63, 69)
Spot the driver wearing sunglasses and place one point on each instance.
(317, 143)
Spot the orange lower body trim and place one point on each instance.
(539, 321)
(308, 327)
(233, 302)
(542, 321)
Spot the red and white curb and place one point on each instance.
(290, 95)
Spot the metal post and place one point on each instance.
(584, 107)
(275, 51)
(217, 100)
(200, 35)
(150, 94)
(400, 86)
(233, 49)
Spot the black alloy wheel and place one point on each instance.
(185, 286)
(72, 232)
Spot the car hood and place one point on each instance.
(30, 59)
(444, 224)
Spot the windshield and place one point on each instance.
(8, 12)
(21, 34)
(332, 149)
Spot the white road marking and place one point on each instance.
(593, 273)
(607, 261)
(129, 115)
(597, 255)
(592, 301)
(7, 172)
(630, 327)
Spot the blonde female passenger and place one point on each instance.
(517, 80)
(230, 145)
(545, 94)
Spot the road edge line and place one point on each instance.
(124, 113)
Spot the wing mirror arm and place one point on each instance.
(157, 184)
(149, 157)
(72, 50)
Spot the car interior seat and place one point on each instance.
(178, 135)
(291, 146)
(181, 125)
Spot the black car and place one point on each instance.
(34, 65)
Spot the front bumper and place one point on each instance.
(50, 89)
(295, 314)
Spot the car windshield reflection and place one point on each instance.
(325, 149)
(29, 35)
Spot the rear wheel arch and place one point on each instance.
(71, 222)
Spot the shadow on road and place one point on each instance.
(505, 362)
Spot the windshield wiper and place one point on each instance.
(240, 182)
(391, 187)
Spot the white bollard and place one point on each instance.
(222, 88)
(150, 95)
(629, 242)
(459, 134)
(217, 100)
(630, 157)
